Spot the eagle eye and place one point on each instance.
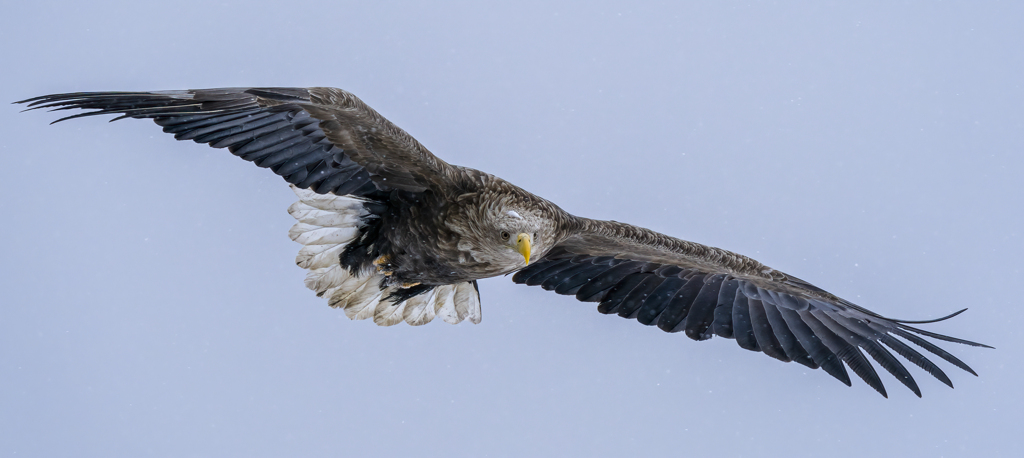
(505, 235)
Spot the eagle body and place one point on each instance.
(428, 239)
(391, 232)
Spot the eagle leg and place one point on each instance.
(383, 264)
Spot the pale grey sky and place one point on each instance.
(152, 307)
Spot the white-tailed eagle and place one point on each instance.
(392, 232)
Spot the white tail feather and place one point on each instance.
(323, 279)
(339, 295)
(318, 256)
(467, 302)
(308, 234)
(387, 313)
(444, 304)
(362, 303)
(419, 310)
(326, 202)
(315, 216)
(326, 225)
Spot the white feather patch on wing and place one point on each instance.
(467, 302)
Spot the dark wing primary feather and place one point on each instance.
(704, 291)
(323, 139)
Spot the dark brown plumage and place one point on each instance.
(392, 232)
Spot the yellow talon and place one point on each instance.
(382, 263)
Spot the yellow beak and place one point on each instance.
(523, 245)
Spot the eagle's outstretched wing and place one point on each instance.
(704, 291)
(324, 139)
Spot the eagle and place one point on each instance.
(391, 232)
